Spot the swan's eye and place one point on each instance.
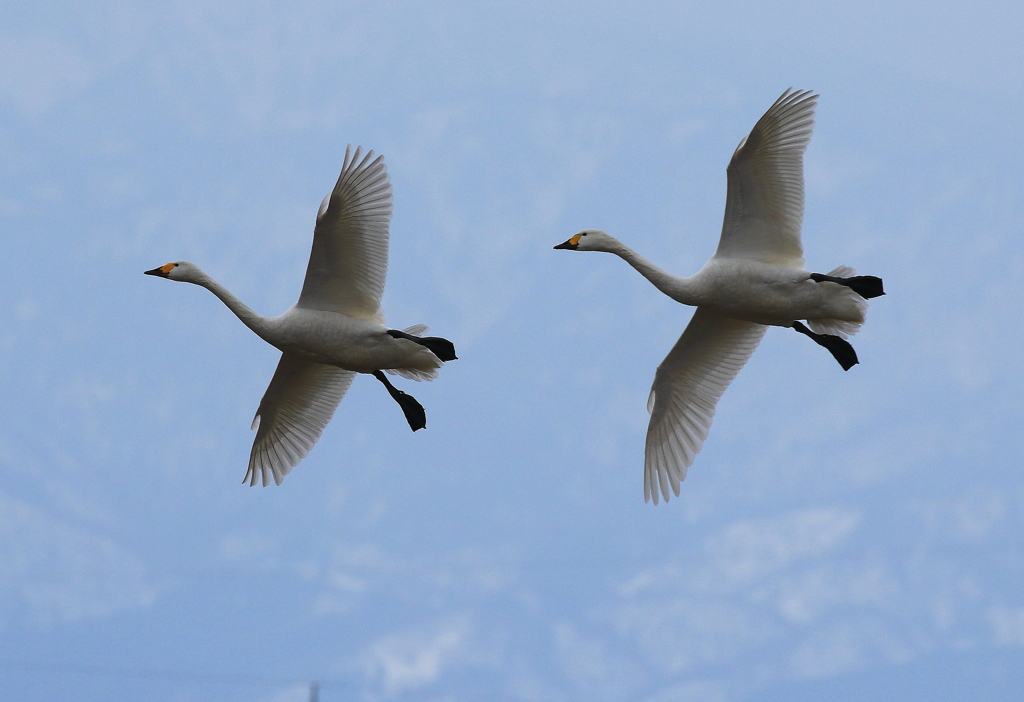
(168, 267)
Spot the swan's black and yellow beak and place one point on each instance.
(571, 244)
(162, 271)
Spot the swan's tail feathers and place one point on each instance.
(856, 292)
(416, 330)
(442, 348)
(867, 286)
(413, 373)
(413, 410)
(834, 327)
(840, 348)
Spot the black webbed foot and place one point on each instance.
(840, 348)
(442, 348)
(413, 410)
(867, 286)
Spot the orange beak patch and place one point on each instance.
(162, 271)
(571, 243)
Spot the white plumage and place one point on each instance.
(764, 205)
(295, 409)
(349, 259)
(336, 329)
(755, 279)
(687, 386)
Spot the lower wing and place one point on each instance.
(687, 386)
(298, 404)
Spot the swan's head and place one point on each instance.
(179, 270)
(589, 240)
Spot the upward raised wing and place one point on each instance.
(349, 260)
(764, 207)
(687, 386)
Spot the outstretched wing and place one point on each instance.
(686, 389)
(298, 404)
(764, 207)
(349, 260)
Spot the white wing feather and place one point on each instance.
(349, 260)
(764, 208)
(687, 386)
(298, 404)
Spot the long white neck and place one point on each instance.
(258, 323)
(679, 289)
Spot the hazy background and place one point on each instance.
(843, 536)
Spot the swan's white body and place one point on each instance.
(753, 291)
(336, 328)
(755, 279)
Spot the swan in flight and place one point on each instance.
(336, 329)
(756, 279)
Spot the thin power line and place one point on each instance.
(314, 686)
(153, 674)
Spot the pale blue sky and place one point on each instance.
(844, 536)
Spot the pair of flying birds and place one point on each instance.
(756, 279)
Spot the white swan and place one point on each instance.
(336, 328)
(756, 278)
